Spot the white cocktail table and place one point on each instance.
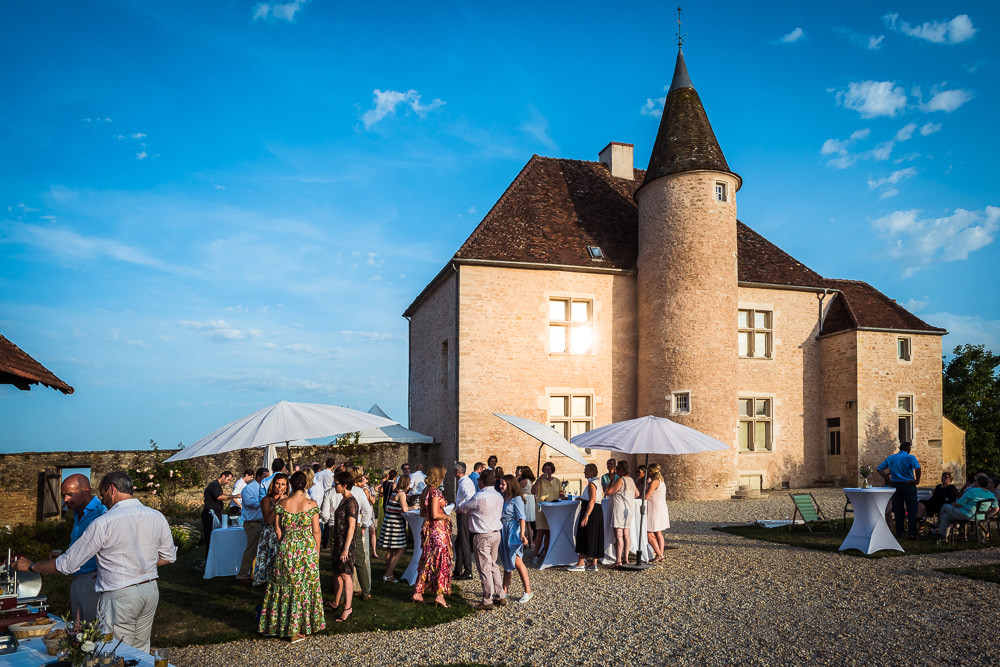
(225, 552)
(870, 532)
(415, 522)
(562, 517)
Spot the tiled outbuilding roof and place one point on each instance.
(555, 208)
(19, 369)
(860, 305)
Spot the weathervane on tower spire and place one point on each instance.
(680, 37)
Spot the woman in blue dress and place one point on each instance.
(513, 536)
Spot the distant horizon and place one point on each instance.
(206, 208)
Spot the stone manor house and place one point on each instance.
(594, 292)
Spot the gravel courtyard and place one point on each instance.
(716, 600)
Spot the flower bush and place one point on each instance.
(185, 536)
(164, 480)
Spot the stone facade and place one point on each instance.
(22, 495)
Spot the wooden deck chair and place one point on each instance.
(807, 508)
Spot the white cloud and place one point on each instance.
(946, 100)
(141, 155)
(875, 43)
(220, 331)
(793, 36)
(918, 242)
(915, 305)
(369, 336)
(930, 128)
(955, 31)
(966, 330)
(472, 210)
(284, 11)
(653, 107)
(67, 243)
(873, 98)
(906, 132)
(869, 42)
(887, 184)
(97, 121)
(138, 135)
(537, 127)
(386, 102)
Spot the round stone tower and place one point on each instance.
(687, 292)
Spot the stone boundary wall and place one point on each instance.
(22, 475)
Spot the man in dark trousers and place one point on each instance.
(463, 540)
(214, 497)
(904, 476)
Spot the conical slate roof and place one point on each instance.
(685, 140)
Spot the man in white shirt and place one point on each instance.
(130, 542)
(236, 507)
(325, 476)
(253, 523)
(463, 540)
(418, 480)
(484, 510)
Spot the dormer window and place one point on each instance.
(720, 191)
(595, 253)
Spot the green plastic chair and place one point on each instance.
(807, 508)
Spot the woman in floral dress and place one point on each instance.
(437, 558)
(342, 544)
(293, 604)
(267, 547)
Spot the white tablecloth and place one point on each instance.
(225, 552)
(870, 532)
(637, 533)
(562, 518)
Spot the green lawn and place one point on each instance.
(823, 540)
(194, 610)
(984, 572)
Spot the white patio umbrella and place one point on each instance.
(649, 435)
(283, 422)
(547, 435)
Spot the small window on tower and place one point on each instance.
(595, 253)
(720, 191)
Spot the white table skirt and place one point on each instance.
(225, 552)
(637, 532)
(562, 518)
(870, 532)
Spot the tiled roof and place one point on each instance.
(685, 140)
(19, 369)
(861, 305)
(555, 208)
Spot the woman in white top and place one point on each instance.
(657, 519)
(590, 528)
(622, 493)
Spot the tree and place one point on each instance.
(972, 401)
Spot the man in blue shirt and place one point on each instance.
(252, 525)
(904, 475)
(86, 507)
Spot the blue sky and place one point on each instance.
(207, 207)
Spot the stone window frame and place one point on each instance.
(568, 325)
(680, 402)
(767, 420)
(904, 349)
(751, 330)
(568, 420)
(721, 191)
(908, 415)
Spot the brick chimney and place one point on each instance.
(618, 159)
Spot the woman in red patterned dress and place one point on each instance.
(437, 559)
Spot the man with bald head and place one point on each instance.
(86, 507)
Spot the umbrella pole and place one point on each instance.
(642, 511)
(538, 468)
